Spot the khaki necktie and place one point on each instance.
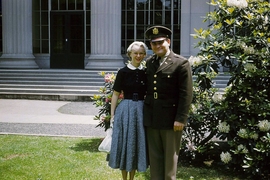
(156, 63)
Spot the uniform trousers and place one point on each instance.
(164, 146)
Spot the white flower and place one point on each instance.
(249, 50)
(265, 20)
(243, 133)
(241, 44)
(217, 97)
(245, 151)
(254, 135)
(250, 67)
(264, 125)
(224, 127)
(191, 60)
(241, 149)
(195, 61)
(225, 157)
(237, 3)
(193, 109)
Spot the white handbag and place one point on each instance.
(105, 145)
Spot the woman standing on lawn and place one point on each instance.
(128, 150)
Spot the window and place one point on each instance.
(41, 21)
(148, 13)
(40, 26)
(67, 4)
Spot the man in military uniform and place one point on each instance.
(167, 103)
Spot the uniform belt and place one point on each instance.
(134, 96)
(157, 95)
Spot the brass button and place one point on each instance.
(169, 76)
(155, 88)
(155, 82)
(155, 75)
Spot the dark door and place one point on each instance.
(67, 40)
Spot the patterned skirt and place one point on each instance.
(128, 150)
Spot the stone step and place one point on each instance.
(52, 84)
(220, 81)
(41, 75)
(58, 71)
(59, 84)
(48, 87)
(51, 79)
(49, 91)
(46, 96)
(52, 92)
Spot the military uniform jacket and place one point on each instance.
(169, 92)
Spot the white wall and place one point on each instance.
(193, 13)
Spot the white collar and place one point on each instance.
(130, 66)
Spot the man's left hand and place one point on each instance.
(178, 126)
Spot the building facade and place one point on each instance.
(90, 34)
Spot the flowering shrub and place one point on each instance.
(201, 125)
(238, 39)
(103, 100)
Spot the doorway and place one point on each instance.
(67, 40)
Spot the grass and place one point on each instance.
(66, 158)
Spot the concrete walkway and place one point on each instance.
(49, 118)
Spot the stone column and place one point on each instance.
(105, 35)
(192, 13)
(185, 28)
(17, 35)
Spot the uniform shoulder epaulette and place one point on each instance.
(179, 56)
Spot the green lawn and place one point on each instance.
(65, 158)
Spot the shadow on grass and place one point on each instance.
(90, 145)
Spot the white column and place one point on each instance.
(192, 15)
(17, 35)
(105, 34)
(185, 28)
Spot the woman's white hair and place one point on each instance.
(136, 43)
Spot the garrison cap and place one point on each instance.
(157, 33)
